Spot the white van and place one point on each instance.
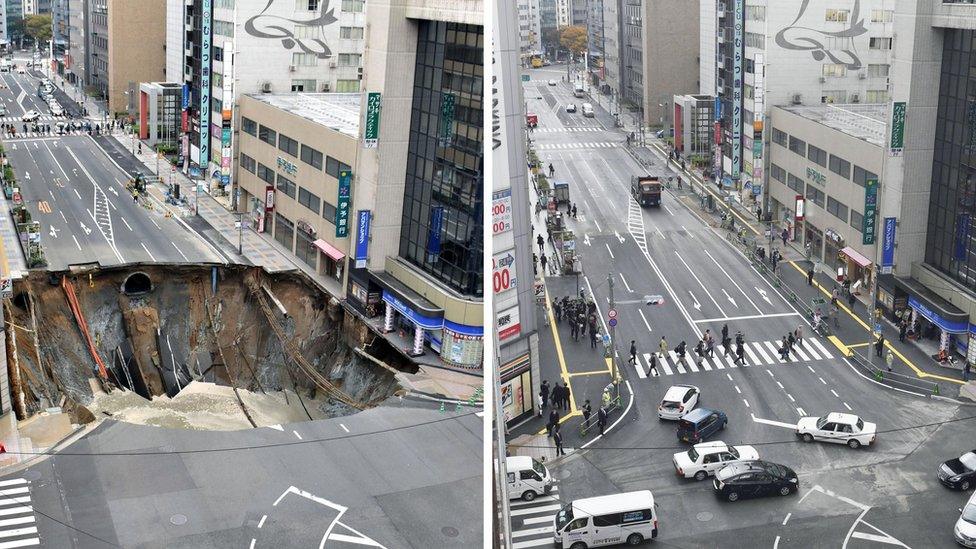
(527, 478)
(587, 110)
(606, 520)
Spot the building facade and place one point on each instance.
(96, 48)
(594, 30)
(76, 58)
(135, 43)
(564, 13)
(530, 30)
(159, 113)
(693, 123)
(175, 40)
(548, 23)
(60, 32)
(13, 16)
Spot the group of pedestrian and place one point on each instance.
(581, 315)
(789, 342)
(558, 396)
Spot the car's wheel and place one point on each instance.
(964, 485)
(724, 425)
(854, 443)
(701, 475)
(635, 539)
(578, 545)
(807, 437)
(733, 496)
(528, 495)
(785, 491)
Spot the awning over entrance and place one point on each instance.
(933, 307)
(329, 250)
(409, 303)
(856, 256)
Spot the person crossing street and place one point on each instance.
(633, 353)
(652, 365)
(663, 347)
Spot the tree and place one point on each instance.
(550, 37)
(38, 27)
(573, 38)
(15, 30)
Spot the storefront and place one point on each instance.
(517, 401)
(930, 317)
(331, 260)
(814, 238)
(364, 294)
(832, 257)
(857, 269)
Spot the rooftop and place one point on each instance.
(338, 111)
(863, 121)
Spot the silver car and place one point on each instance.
(965, 529)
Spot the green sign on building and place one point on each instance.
(869, 222)
(897, 128)
(342, 207)
(447, 119)
(372, 134)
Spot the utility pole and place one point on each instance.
(240, 233)
(613, 340)
(501, 479)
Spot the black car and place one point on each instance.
(959, 473)
(749, 479)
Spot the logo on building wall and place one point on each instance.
(800, 38)
(269, 25)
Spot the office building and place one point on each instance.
(75, 57)
(564, 13)
(549, 25)
(134, 46)
(175, 40)
(693, 123)
(530, 30)
(60, 35)
(159, 114)
(14, 13)
(594, 30)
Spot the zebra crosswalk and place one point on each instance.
(18, 527)
(535, 520)
(759, 353)
(562, 130)
(565, 146)
(35, 135)
(42, 118)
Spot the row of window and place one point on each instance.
(288, 188)
(820, 157)
(817, 196)
(306, 154)
(877, 16)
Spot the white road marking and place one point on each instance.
(880, 539)
(746, 401)
(846, 406)
(659, 231)
(822, 380)
(750, 317)
(700, 283)
(624, 280)
(154, 222)
(126, 223)
(261, 522)
(151, 256)
(278, 427)
(787, 519)
(76, 241)
(179, 250)
(607, 244)
(773, 423)
(253, 541)
(597, 223)
(789, 396)
(77, 193)
(833, 392)
(801, 412)
(344, 428)
(646, 323)
(534, 510)
(728, 375)
(734, 283)
(738, 390)
(668, 209)
(780, 385)
(62, 216)
(811, 369)
(298, 435)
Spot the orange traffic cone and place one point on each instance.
(3, 449)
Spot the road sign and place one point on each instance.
(877, 327)
(612, 313)
(613, 322)
(525, 78)
(606, 339)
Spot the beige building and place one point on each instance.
(136, 50)
(292, 152)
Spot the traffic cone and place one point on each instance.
(3, 448)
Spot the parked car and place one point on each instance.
(706, 458)
(31, 116)
(571, 108)
(749, 479)
(965, 529)
(959, 473)
(699, 424)
(838, 428)
(678, 401)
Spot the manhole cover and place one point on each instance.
(564, 474)
(704, 516)
(178, 519)
(31, 475)
(450, 532)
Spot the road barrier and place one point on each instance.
(894, 379)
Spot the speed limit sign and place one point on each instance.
(612, 313)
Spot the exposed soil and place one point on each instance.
(199, 345)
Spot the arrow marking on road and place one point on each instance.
(763, 294)
(697, 304)
(113, 191)
(729, 297)
(84, 228)
(26, 175)
(54, 232)
(620, 238)
(773, 423)
(586, 239)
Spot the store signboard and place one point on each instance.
(888, 245)
(737, 79)
(206, 31)
(870, 212)
(362, 237)
(342, 208)
(897, 128)
(501, 212)
(371, 136)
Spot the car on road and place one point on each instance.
(614, 519)
(750, 479)
(30, 116)
(959, 473)
(838, 428)
(552, 82)
(707, 458)
(678, 401)
(571, 107)
(965, 529)
(21, 70)
(699, 424)
(56, 110)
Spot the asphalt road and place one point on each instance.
(671, 251)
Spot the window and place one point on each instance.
(288, 145)
(798, 146)
(780, 137)
(304, 85)
(333, 166)
(266, 174)
(856, 220)
(328, 212)
(350, 59)
(840, 166)
(815, 195)
(834, 69)
(861, 176)
(311, 157)
(876, 96)
(878, 71)
(223, 28)
(836, 209)
(817, 155)
(249, 126)
(286, 186)
(755, 13)
(308, 200)
(577, 524)
(248, 163)
(777, 173)
(880, 43)
(794, 183)
(882, 16)
(307, 5)
(755, 40)
(347, 86)
(838, 15)
(636, 516)
(304, 59)
(352, 6)
(267, 135)
(351, 32)
(607, 520)
(284, 230)
(834, 96)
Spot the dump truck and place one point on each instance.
(646, 190)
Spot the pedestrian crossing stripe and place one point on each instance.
(563, 146)
(19, 120)
(18, 526)
(535, 520)
(34, 135)
(756, 353)
(557, 130)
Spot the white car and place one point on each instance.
(30, 116)
(678, 401)
(965, 529)
(839, 428)
(706, 458)
(21, 70)
(571, 108)
(552, 82)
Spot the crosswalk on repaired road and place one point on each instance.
(17, 525)
(532, 521)
(756, 354)
(570, 129)
(564, 146)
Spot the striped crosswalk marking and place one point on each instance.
(533, 510)
(661, 364)
(753, 359)
(17, 515)
(798, 349)
(810, 349)
(775, 351)
(640, 369)
(705, 365)
(677, 363)
(758, 353)
(691, 362)
(822, 349)
(532, 521)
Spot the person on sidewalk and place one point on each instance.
(851, 298)
(785, 234)
(552, 171)
(557, 310)
(573, 328)
(879, 345)
(810, 276)
(902, 329)
(759, 214)
(601, 419)
(535, 265)
(965, 371)
(541, 242)
(544, 393)
(593, 335)
(543, 261)
(565, 395)
(662, 347)
(557, 396)
(889, 359)
(553, 422)
(574, 210)
(652, 365)
(587, 410)
(633, 353)
(557, 438)
(798, 334)
(581, 320)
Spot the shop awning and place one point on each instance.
(934, 307)
(329, 250)
(856, 256)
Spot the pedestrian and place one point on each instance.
(652, 365)
(663, 347)
(135, 197)
(879, 345)
(785, 235)
(574, 210)
(582, 323)
(540, 406)
(798, 334)
(680, 350)
(835, 313)
(725, 332)
(601, 419)
(543, 260)
(759, 214)
(890, 359)
(633, 352)
(557, 438)
(535, 265)
(587, 410)
(541, 242)
(810, 276)
(557, 310)
(784, 349)
(710, 345)
(700, 351)
(592, 339)
(553, 422)
(565, 395)
(791, 341)
(573, 328)
(544, 392)
(552, 171)
(851, 298)
(902, 330)
(834, 295)
(726, 345)
(965, 371)
(739, 354)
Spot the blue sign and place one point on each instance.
(415, 317)
(963, 221)
(718, 108)
(612, 322)
(756, 189)
(951, 327)
(186, 96)
(362, 238)
(888, 245)
(434, 233)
